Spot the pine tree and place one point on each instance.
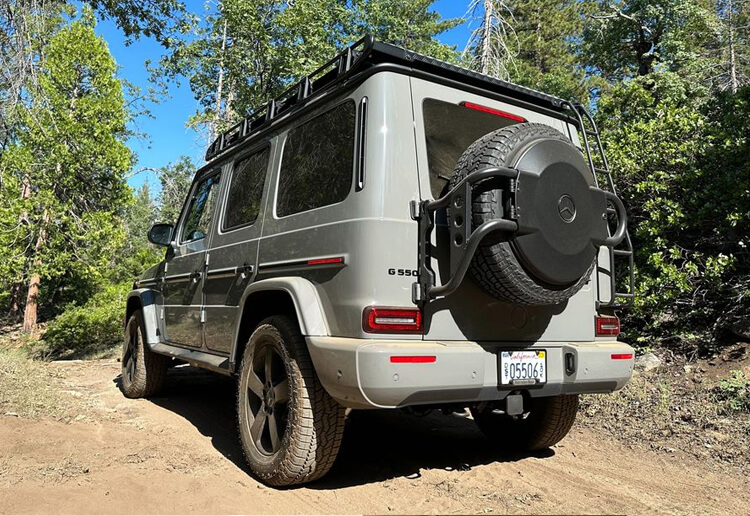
(67, 161)
(533, 43)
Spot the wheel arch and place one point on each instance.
(145, 300)
(292, 296)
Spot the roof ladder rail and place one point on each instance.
(304, 89)
(587, 127)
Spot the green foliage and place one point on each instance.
(64, 187)
(680, 164)
(251, 50)
(734, 392)
(161, 19)
(548, 59)
(634, 38)
(91, 327)
(175, 179)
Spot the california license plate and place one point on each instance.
(523, 367)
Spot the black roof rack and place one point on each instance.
(360, 56)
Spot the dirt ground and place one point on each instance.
(178, 453)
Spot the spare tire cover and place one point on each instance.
(551, 256)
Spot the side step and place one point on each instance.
(216, 363)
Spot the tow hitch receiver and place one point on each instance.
(514, 404)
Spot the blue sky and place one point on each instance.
(167, 137)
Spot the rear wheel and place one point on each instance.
(290, 428)
(547, 422)
(143, 372)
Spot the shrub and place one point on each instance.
(734, 392)
(90, 328)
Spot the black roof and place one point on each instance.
(368, 55)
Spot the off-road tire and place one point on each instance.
(149, 369)
(495, 267)
(314, 424)
(549, 420)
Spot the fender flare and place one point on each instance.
(145, 299)
(305, 298)
(307, 304)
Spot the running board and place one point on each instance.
(195, 358)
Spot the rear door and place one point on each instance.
(447, 121)
(184, 266)
(232, 259)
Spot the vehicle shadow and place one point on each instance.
(378, 444)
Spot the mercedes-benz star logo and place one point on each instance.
(566, 208)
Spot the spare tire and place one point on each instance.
(550, 263)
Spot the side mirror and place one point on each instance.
(161, 234)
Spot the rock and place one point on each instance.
(647, 362)
(741, 329)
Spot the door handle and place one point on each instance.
(196, 276)
(245, 270)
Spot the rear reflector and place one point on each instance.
(325, 261)
(485, 109)
(418, 359)
(391, 320)
(607, 326)
(622, 356)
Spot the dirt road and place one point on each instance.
(178, 454)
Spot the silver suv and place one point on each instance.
(393, 231)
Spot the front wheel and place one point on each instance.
(546, 423)
(289, 426)
(143, 371)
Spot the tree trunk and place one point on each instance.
(17, 288)
(733, 83)
(32, 297)
(15, 300)
(220, 85)
(30, 313)
(486, 38)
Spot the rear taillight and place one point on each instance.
(413, 359)
(491, 111)
(392, 320)
(607, 326)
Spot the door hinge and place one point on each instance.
(203, 316)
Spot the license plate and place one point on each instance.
(523, 367)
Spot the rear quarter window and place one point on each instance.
(449, 130)
(318, 162)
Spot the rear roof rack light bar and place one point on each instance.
(366, 53)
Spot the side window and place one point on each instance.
(246, 190)
(198, 219)
(318, 162)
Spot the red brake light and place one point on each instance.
(622, 356)
(325, 261)
(485, 109)
(392, 320)
(607, 326)
(415, 359)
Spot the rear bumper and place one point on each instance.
(358, 373)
